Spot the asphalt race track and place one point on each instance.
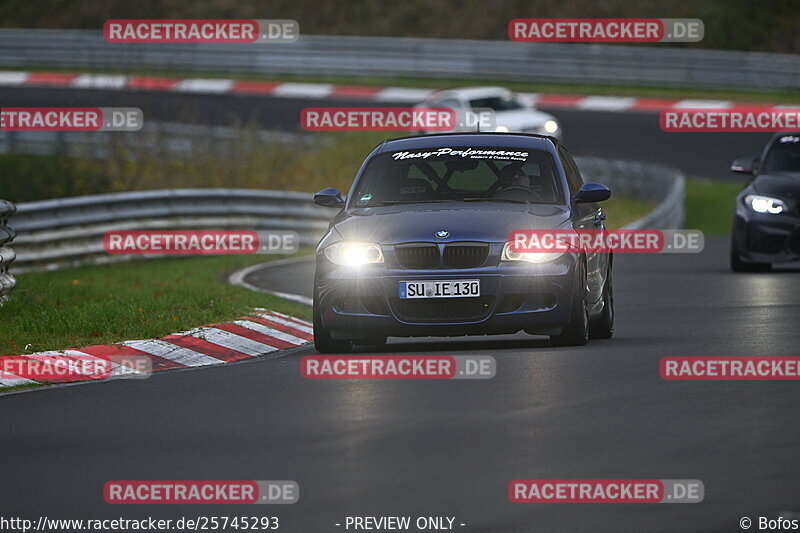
(605, 134)
(449, 448)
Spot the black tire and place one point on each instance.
(576, 333)
(603, 326)
(322, 337)
(737, 265)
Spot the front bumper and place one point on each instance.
(766, 238)
(359, 303)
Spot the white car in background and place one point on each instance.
(512, 112)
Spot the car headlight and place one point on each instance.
(529, 257)
(550, 126)
(764, 204)
(353, 253)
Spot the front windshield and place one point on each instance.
(783, 156)
(459, 175)
(496, 103)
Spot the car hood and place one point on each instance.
(484, 221)
(781, 185)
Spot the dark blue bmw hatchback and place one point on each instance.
(420, 245)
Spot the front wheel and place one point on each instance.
(603, 326)
(323, 341)
(737, 265)
(576, 333)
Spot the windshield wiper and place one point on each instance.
(496, 200)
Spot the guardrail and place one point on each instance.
(642, 181)
(412, 57)
(7, 281)
(69, 232)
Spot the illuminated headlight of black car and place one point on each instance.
(764, 204)
(353, 254)
(509, 254)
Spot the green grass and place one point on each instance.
(709, 205)
(248, 164)
(768, 96)
(140, 299)
(621, 210)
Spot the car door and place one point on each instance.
(589, 217)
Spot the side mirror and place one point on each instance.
(744, 165)
(330, 197)
(591, 193)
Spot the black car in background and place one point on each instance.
(766, 220)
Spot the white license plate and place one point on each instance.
(466, 288)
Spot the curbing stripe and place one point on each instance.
(50, 78)
(66, 360)
(105, 351)
(200, 85)
(303, 90)
(13, 78)
(407, 95)
(606, 103)
(241, 331)
(255, 87)
(703, 104)
(227, 339)
(206, 347)
(271, 332)
(151, 84)
(292, 330)
(99, 81)
(302, 325)
(7, 379)
(245, 338)
(173, 352)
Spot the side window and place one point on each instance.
(452, 103)
(574, 180)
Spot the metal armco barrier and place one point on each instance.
(69, 232)
(313, 55)
(7, 281)
(642, 181)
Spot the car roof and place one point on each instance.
(437, 140)
(780, 134)
(474, 92)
